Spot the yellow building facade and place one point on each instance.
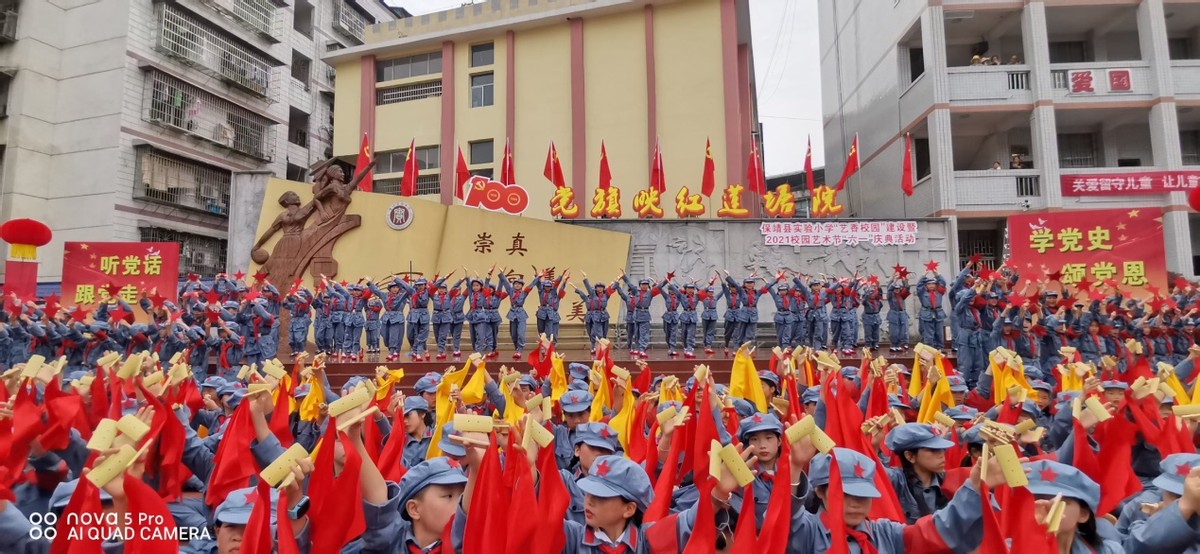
(577, 73)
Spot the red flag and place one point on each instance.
(461, 175)
(507, 171)
(522, 529)
(605, 173)
(666, 481)
(658, 177)
(364, 160)
(744, 540)
(256, 538)
(706, 432)
(143, 501)
(341, 518)
(486, 526)
(808, 170)
(835, 518)
(84, 502)
(553, 500)
(843, 424)
(906, 174)
(232, 468)
(554, 170)
(285, 538)
(391, 459)
(775, 529)
(166, 460)
(851, 164)
(408, 182)
(755, 180)
(281, 415)
(708, 182)
(704, 533)
(993, 538)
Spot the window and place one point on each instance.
(428, 157)
(170, 102)
(1180, 48)
(921, 157)
(1129, 162)
(408, 93)
(298, 127)
(481, 90)
(1077, 150)
(165, 178)
(483, 54)
(296, 172)
(1189, 145)
(303, 22)
(1069, 52)
(916, 63)
(197, 253)
(426, 184)
(301, 68)
(482, 152)
(411, 66)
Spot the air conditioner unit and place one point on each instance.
(203, 258)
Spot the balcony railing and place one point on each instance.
(408, 93)
(990, 84)
(194, 42)
(1101, 80)
(166, 179)
(348, 21)
(197, 253)
(998, 189)
(172, 103)
(258, 16)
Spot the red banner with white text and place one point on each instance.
(1134, 182)
(94, 271)
(1124, 246)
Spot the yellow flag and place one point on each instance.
(602, 395)
(744, 382)
(310, 407)
(385, 383)
(513, 410)
(472, 392)
(1181, 395)
(558, 378)
(445, 411)
(670, 394)
(914, 384)
(623, 421)
(935, 396)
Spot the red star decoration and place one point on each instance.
(239, 275)
(79, 315)
(453, 463)
(344, 282)
(1054, 275)
(193, 277)
(14, 307)
(1015, 299)
(212, 316)
(756, 419)
(900, 270)
(873, 280)
(157, 300)
(1183, 470)
(251, 295)
(112, 289)
(975, 258)
(52, 304)
(211, 297)
(603, 469)
(1171, 303)
(260, 276)
(931, 266)
(251, 498)
(1153, 290)
(670, 275)
(859, 471)
(1034, 299)
(1048, 475)
(1181, 283)
(1095, 295)
(119, 314)
(297, 282)
(1084, 284)
(1156, 304)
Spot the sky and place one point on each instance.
(787, 72)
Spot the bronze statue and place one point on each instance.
(305, 246)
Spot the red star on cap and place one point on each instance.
(453, 463)
(931, 266)
(1183, 470)
(859, 471)
(605, 433)
(975, 258)
(239, 275)
(757, 418)
(79, 315)
(1047, 474)
(603, 469)
(111, 288)
(1084, 284)
(211, 297)
(250, 498)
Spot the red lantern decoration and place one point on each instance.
(1194, 199)
(25, 235)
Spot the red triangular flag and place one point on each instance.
(522, 529)
(552, 503)
(993, 538)
(74, 539)
(833, 518)
(391, 458)
(488, 507)
(166, 461)
(232, 468)
(341, 518)
(285, 538)
(256, 538)
(143, 501)
(704, 533)
(461, 175)
(744, 540)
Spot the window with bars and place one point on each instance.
(200, 44)
(165, 178)
(482, 90)
(1077, 150)
(392, 161)
(1028, 186)
(426, 184)
(348, 21)
(255, 15)
(408, 93)
(171, 102)
(197, 253)
(429, 63)
(1189, 146)
(301, 68)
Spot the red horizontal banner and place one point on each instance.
(1137, 182)
(93, 271)
(1123, 246)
